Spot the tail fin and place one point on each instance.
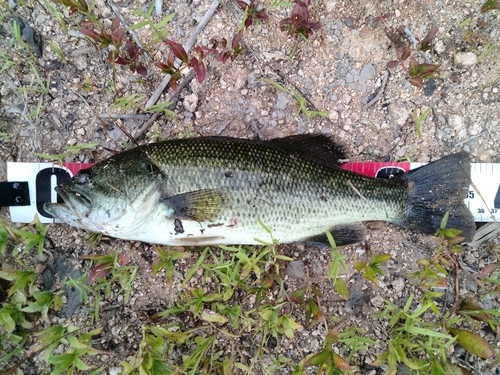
(435, 189)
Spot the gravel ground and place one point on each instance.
(338, 70)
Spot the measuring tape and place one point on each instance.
(30, 185)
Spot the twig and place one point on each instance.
(252, 52)
(187, 46)
(125, 116)
(357, 191)
(427, 11)
(120, 16)
(416, 44)
(469, 139)
(143, 129)
(380, 92)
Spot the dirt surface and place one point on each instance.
(338, 70)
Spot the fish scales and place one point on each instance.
(299, 191)
(214, 190)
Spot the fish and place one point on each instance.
(228, 191)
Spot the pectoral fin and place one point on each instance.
(342, 234)
(199, 205)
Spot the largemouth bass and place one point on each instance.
(214, 190)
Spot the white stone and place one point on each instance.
(456, 122)
(465, 58)
(333, 115)
(439, 47)
(190, 102)
(330, 5)
(398, 114)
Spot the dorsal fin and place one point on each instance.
(315, 147)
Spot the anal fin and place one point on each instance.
(343, 234)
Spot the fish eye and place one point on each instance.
(83, 177)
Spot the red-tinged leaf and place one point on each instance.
(490, 5)
(248, 21)
(413, 62)
(173, 83)
(207, 50)
(243, 5)
(140, 69)
(94, 35)
(431, 68)
(199, 68)
(316, 292)
(314, 26)
(416, 81)
(239, 51)
(406, 53)
(261, 15)
(471, 307)
(236, 40)
(300, 11)
(400, 30)
(133, 51)
(223, 42)
(341, 363)
(393, 37)
(87, 24)
(112, 56)
(430, 35)
(285, 23)
(199, 51)
(118, 35)
(170, 59)
(298, 295)
(488, 269)
(332, 336)
(115, 23)
(473, 343)
(223, 57)
(98, 272)
(123, 260)
(392, 64)
(178, 50)
(120, 61)
(162, 67)
(319, 358)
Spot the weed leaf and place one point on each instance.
(473, 343)
(178, 50)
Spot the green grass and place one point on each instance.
(419, 335)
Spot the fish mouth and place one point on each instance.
(75, 203)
